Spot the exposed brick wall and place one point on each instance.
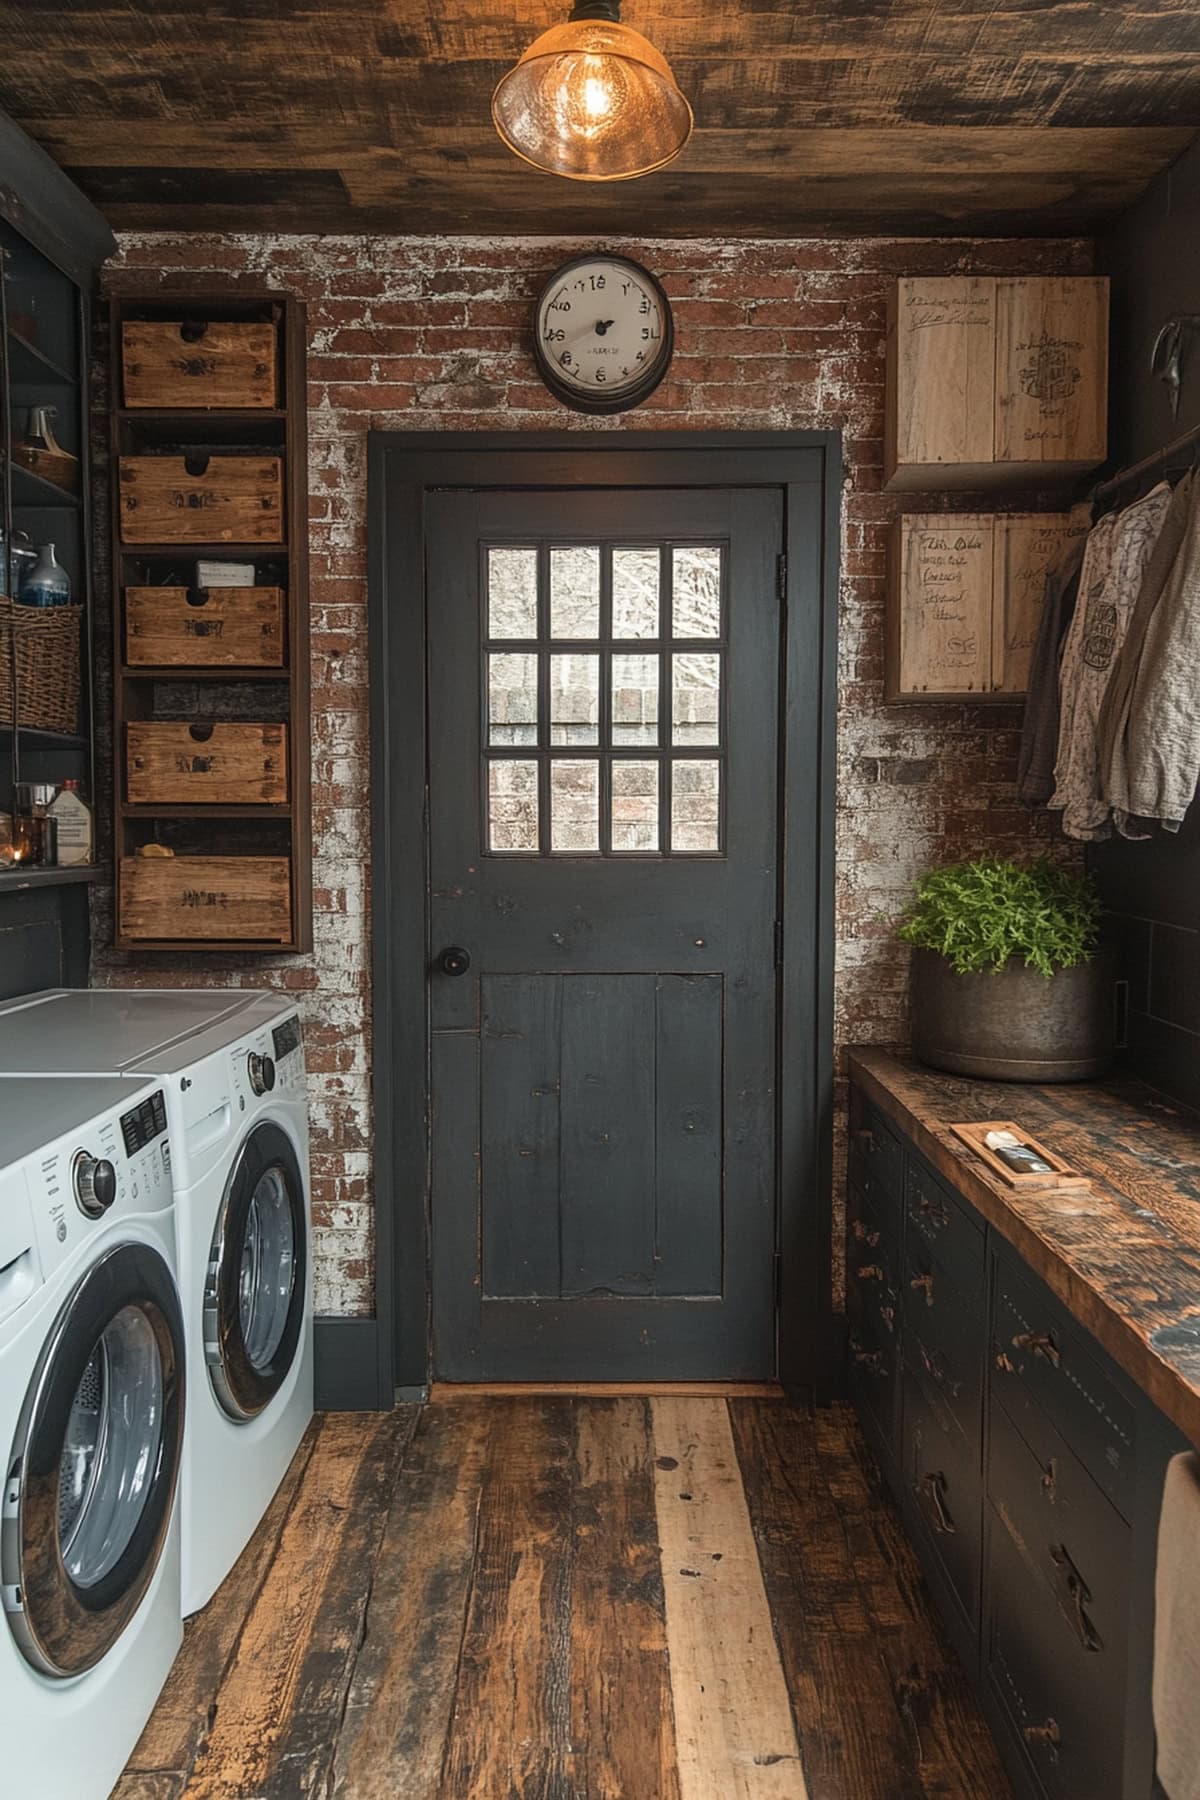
(427, 334)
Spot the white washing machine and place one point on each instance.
(232, 1068)
(92, 1407)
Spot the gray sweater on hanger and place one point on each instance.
(1149, 733)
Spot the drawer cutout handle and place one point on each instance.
(196, 463)
(1042, 1344)
(933, 1487)
(864, 1235)
(192, 330)
(1076, 1598)
(197, 596)
(201, 731)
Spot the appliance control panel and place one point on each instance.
(270, 1063)
(118, 1165)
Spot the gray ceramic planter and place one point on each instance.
(1013, 1025)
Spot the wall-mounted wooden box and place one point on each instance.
(170, 762)
(201, 499)
(184, 899)
(233, 627)
(964, 600)
(198, 362)
(995, 381)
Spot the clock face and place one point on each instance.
(603, 333)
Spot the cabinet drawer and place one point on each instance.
(199, 362)
(234, 627)
(168, 761)
(941, 1473)
(206, 898)
(201, 499)
(1039, 1360)
(944, 1335)
(1062, 1701)
(873, 1267)
(876, 1154)
(1068, 1531)
(937, 1218)
(874, 1365)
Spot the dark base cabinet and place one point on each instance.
(1026, 1466)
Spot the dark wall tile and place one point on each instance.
(1175, 977)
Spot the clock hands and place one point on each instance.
(602, 326)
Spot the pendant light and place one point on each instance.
(592, 100)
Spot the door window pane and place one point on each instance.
(696, 805)
(634, 805)
(575, 699)
(635, 592)
(512, 592)
(635, 699)
(513, 697)
(512, 805)
(574, 805)
(696, 591)
(696, 697)
(575, 591)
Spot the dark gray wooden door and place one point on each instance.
(603, 682)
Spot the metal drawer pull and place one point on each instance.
(924, 1282)
(1078, 1597)
(934, 1210)
(888, 1315)
(863, 1235)
(1050, 1479)
(1043, 1734)
(866, 1136)
(1042, 1344)
(871, 1360)
(869, 1272)
(933, 1486)
(1005, 1363)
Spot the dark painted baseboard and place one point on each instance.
(346, 1366)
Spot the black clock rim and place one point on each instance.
(636, 392)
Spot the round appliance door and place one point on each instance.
(254, 1295)
(91, 1478)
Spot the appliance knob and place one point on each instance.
(95, 1184)
(262, 1073)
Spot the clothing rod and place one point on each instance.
(1104, 490)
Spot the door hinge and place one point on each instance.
(781, 576)
(779, 943)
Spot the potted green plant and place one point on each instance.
(1009, 982)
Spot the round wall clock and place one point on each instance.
(603, 333)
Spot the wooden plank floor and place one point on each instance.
(572, 1597)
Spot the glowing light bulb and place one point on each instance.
(597, 100)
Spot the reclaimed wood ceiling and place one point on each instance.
(813, 116)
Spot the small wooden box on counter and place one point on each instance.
(995, 381)
(964, 600)
(223, 627)
(171, 762)
(199, 362)
(223, 899)
(201, 499)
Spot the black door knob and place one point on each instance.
(454, 960)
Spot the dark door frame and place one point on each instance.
(394, 1355)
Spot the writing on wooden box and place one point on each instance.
(199, 363)
(225, 764)
(940, 641)
(205, 627)
(201, 499)
(1051, 370)
(177, 898)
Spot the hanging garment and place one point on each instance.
(1039, 728)
(1162, 736)
(1114, 562)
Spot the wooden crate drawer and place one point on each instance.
(199, 362)
(213, 765)
(1039, 1362)
(936, 1217)
(201, 499)
(876, 1153)
(945, 1335)
(181, 627)
(1062, 1704)
(206, 898)
(941, 1472)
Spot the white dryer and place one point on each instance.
(232, 1068)
(92, 1406)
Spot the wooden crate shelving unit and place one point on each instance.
(172, 665)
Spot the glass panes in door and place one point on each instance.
(604, 699)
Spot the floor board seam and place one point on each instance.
(468, 1601)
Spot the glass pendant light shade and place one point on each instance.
(592, 100)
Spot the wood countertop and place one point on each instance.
(1124, 1256)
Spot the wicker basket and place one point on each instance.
(47, 661)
